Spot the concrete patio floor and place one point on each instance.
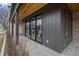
(36, 49)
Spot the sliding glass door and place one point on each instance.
(38, 29)
(33, 28)
(27, 29)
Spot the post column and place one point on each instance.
(17, 27)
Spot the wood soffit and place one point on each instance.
(28, 8)
(74, 7)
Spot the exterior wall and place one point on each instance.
(76, 26)
(20, 29)
(14, 29)
(52, 26)
(51, 29)
(66, 26)
(24, 29)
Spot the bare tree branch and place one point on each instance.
(3, 16)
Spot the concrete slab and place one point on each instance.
(36, 49)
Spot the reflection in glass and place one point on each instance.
(33, 29)
(38, 28)
(27, 29)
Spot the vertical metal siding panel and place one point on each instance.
(62, 28)
(58, 31)
(44, 29)
(51, 30)
(63, 18)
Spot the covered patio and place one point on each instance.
(17, 43)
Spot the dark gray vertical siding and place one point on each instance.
(58, 40)
(62, 27)
(53, 21)
(65, 41)
(45, 29)
(51, 29)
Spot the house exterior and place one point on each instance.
(48, 24)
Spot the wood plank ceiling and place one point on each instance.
(29, 8)
(74, 6)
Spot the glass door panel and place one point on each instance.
(38, 29)
(33, 29)
(27, 29)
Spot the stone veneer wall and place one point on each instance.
(76, 26)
